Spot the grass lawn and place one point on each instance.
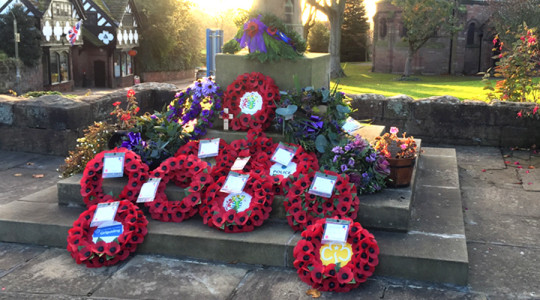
(360, 80)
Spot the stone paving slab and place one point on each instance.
(12, 159)
(55, 272)
(150, 277)
(513, 272)
(11, 185)
(438, 168)
(530, 179)
(14, 255)
(477, 177)
(482, 157)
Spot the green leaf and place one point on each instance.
(343, 109)
(321, 143)
(326, 96)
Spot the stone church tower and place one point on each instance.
(468, 52)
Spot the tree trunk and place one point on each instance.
(334, 46)
(408, 62)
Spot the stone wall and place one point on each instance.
(447, 120)
(32, 77)
(51, 124)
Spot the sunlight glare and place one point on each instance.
(214, 7)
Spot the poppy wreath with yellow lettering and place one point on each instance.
(225, 158)
(335, 267)
(82, 248)
(236, 212)
(92, 179)
(303, 208)
(184, 171)
(251, 100)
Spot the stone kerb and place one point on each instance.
(51, 124)
(447, 120)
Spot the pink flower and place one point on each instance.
(520, 114)
(494, 41)
(483, 170)
(516, 163)
(130, 93)
(535, 109)
(531, 40)
(116, 103)
(403, 146)
(394, 130)
(522, 38)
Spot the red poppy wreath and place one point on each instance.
(303, 208)
(83, 249)
(225, 158)
(92, 179)
(335, 267)
(238, 212)
(251, 100)
(187, 172)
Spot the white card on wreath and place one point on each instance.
(351, 125)
(104, 213)
(234, 183)
(283, 154)
(323, 185)
(240, 163)
(148, 190)
(208, 148)
(113, 165)
(336, 231)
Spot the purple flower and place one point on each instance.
(153, 117)
(337, 150)
(209, 87)
(253, 35)
(351, 162)
(347, 147)
(371, 158)
(344, 168)
(335, 158)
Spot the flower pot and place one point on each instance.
(401, 170)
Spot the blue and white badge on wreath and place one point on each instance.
(234, 183)
(113, 165)
(336, 231)
(238, 201)
(323, 185)
(208, 148)
(251, 103)
(284, 154)
(108, 232)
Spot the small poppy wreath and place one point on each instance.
(335, 267)
(186, 172)
(225, 158)
(101, 253)
(240, 212)
(251, 100)
(92, 180)
(303, 208)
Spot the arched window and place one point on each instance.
(55, 67)
(471, 32)
(124, 64)
(117, 64)
(64, 67)
(382, 28)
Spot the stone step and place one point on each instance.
(434, 249)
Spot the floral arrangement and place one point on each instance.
(239, 212)
(195, 108)
(126, 117)
(82, 248)
(393, 147)
(267, 39)
(92, 180)
(303, 208)
(367, 168)
(251, 99)
(187, 172)
(94, 141)
(313, 118)
(224, 160)
(336, 267)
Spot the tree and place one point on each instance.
(310, 20)
(334, 12)
(319, 38)
(29, 45)
(508, 15)
(423, 20)
(353, 31)
(171, 38)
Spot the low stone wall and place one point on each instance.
(447, 120)
(167, 76)
(51, 124)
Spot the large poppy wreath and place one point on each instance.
(92, 180)
(251, 100)
(239, 212)
(303, 208)
(101, 253)
(335, 267)
(187, 172)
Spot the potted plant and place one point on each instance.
(401, 155)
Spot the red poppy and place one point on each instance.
(345, 275)
(130, 93)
